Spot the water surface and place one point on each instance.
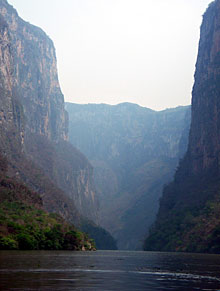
(108, 270)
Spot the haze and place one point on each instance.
(112, 51)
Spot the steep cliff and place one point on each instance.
(188, 219)
(29, 78)
(11, 112)
(204, 146)
(134, 151)
(24, 223)
(34, 125)
(35, 78)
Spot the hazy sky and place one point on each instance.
(112, 51)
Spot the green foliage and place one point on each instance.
(7, 243)
(54, 238)
(28, 227)
(188, 219)
(27, 241)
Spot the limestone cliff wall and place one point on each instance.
(11, 112)
(204, 141)
(35, 77)
(32, 111)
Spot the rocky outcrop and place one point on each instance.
(68, 169)
(11, 121)
(134, 151)
(204, 146)
(188, 218)
(35, 78)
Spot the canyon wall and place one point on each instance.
(34, 124)
(188, 218)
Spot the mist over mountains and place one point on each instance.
(134, 152)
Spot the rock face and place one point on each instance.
(35, 78)
(11, 112)
(134, 151)
(34, 123)
(188, 219)
(204, 146)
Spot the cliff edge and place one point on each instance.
(188, 218)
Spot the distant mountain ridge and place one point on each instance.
(134, 152)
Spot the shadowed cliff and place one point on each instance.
(188, 218)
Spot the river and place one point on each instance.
(108, 270)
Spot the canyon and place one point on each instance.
(134, 152)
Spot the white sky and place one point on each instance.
(112, 51)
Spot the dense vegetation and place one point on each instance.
(25, 225)
(189, 218)
(27, 228)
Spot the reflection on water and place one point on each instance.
(108, 270)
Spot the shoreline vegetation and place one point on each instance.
(24, 225)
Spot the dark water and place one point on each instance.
(108, 270)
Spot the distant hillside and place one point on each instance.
(134, 152)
